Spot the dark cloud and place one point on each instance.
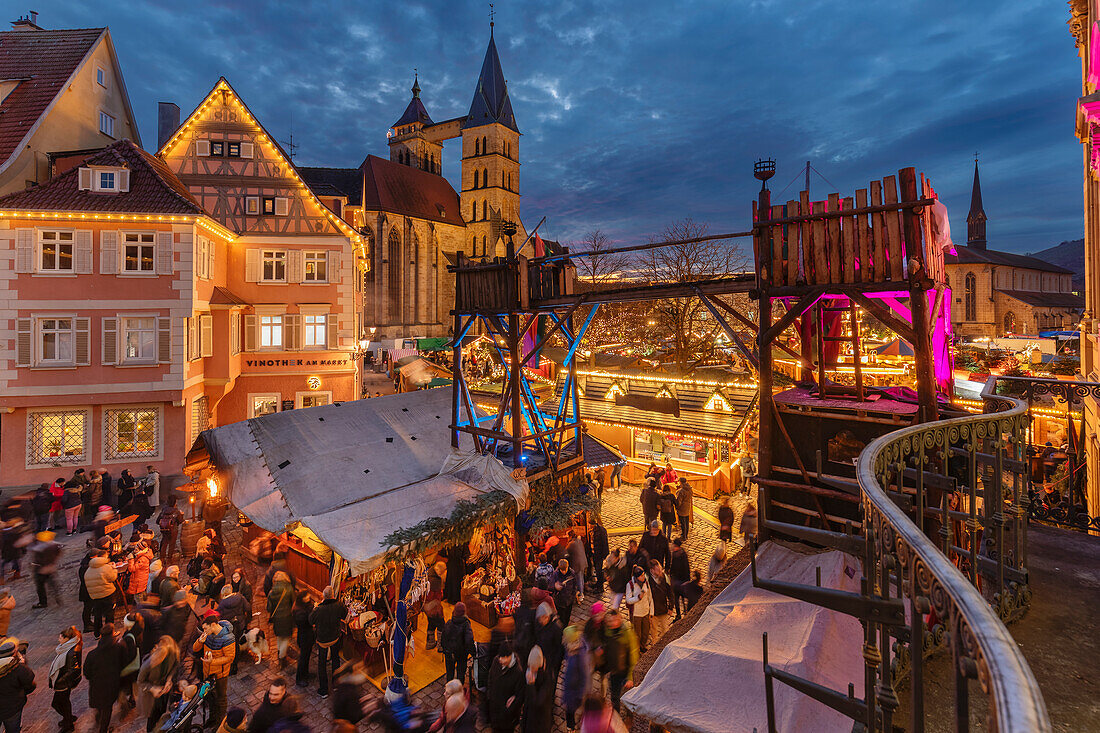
(636, 113)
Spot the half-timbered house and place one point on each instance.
(289, 294)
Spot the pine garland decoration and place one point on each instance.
(467, 517)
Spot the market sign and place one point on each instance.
(295, 362)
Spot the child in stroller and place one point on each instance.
(181, 715)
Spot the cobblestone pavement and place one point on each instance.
(622, 517)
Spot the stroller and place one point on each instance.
(182, 718)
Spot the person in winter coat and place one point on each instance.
(640, 601)
(45, 555)
(577, 679)
(156, 679)
(174, 618)
(668, 474)
(99, 581)
(600, 717)
(616, 573)
(457, 556)
(548, 633)
(666, 505)
(327, 621)
(748, 522)
(13, 543)
(40, 505)
(169, 521)
(219, 650)
(303, 607)
(648, 499)
(679, 570)
(538, 697)
(457, 643)
(578, 559)
(278, 564)
(169, 586)
(717, 562)
(103, 670)
(460, 716)
(505, 692)
(280, 610)
(600, 549)
(654, 545)
(725, 519)
(138, 565)
(71, 504)
(132, 633)
(65, 675)
(16, 682)
(124, 489)
(685, 506)
(663, 600)
(692, 590)
(619, 649)
(234, 609)
(239, 582)
(275, 706)
(57, 510)
(564, 585)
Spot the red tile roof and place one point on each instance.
(44, 60)
(402, 189)
(154, 189)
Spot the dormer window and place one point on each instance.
(104, 179)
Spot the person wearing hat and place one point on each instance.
(219, 649)
(16, 682)
(45, 554)
(457, 643)
(505, 691)
(640, 601)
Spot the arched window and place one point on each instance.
(485, 246)
(393, 276)
(477, 147)
(484, 210)
(475, 179)
(412, 274)
(485, 145)
(370, 268)
(485, 177)
(971, 297)
(1010, 322)
(473, 211)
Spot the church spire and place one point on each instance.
(491, 102)
(975, 220)
(415, 112)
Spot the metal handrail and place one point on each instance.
(1016, 702)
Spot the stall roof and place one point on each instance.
(353, 472)
(597, 453)
(710, 680)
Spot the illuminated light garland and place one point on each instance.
(202, 221)
(976, 406)
(223, 86)
(664, 380)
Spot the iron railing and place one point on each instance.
(945, 522)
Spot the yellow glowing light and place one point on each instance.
(212, 486)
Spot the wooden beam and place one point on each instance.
(789, 317)
(749, 354)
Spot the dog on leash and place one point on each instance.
(255, 642)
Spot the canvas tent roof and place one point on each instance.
(712, 677)
(353, 472)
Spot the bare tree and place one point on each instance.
(685, 324)
(600, 266)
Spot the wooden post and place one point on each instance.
(764, 352)
(515, 374)
(918, 301)
(456, 382)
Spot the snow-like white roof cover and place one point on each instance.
(353, 472)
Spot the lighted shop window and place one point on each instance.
(131, 433)
(56, 437)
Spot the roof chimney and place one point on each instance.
(27, 22)
(168, 121)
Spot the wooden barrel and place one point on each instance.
(189, 537)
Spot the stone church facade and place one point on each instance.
(998, 293)
(413, 221)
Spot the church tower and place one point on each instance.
(409, 145)
(490, 160)
(975, 220)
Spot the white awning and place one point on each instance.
(354, 472)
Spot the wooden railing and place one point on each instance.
(945, 513)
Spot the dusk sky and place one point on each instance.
(637, 113)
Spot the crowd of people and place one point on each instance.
(170, 632)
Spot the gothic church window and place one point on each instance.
(485, 177)
(1010, 322)
(393, 259)
(971, 297)
(477, 147)
(484, 210)
(475, 178)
